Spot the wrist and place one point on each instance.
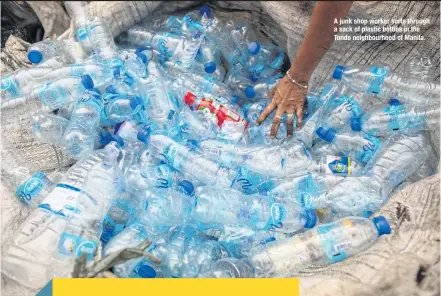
(298, 76)
(303, 85)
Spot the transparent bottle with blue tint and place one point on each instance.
(29, 185)
(218, 207)
(324, 244)
(386, 84)
(101, 39)
(120, 107)
(44, 50)
(362, 147)
(229, 268)
(245, 39)
(134, 63)
(196, 126)
(264, 59)
(170, 23)
(384, 120)
(77, 11)
(80, 134)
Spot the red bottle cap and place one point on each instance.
(189, 98)
(221, 116)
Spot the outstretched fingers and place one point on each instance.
(268, 110)
(276, 122)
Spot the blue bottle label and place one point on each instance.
(9, 86)
(394, 111)
(278, 215)
(305, 190)
(71, 245)
(32, 187)
(369, 149)
(81, 33)
(376, 79)
(338, 165)
(62, 200)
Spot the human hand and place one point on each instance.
(287, 98)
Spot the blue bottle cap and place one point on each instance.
(143, 57)
(146, 272)
(135, 101)
(186, 187)
(196, 35)
(356, 124)
(35, 56)
(205, 10)
(143, 134)
(87, 81)
(141, 49)
(117, 127)
(253, 47)
(310, 217)
(327, 135)
(249, 92)
(210, 67)
(111, 89)
(235, 99)
(382, 225)
(254, 77)
(105, 137)
(394, 102)
(338, 72)
(116, 72)
(118, 140)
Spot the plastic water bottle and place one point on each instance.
(231, 122)
(134, 63)
(29, 185)
(359, 146)
(276, 160)
(218, 207)
(363, 195)
(384, 120)
(324, 244)
(196, 126)
(79, 137)
(382, 82)
(229, 268)
(120, 107)
(264, 59)
(46, 224)
(43, 50)
(77, 11)
(101, 39)
(187, 160)
(209, 56)
(246, 39)
(169, 23)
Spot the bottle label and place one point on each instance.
(62, 200)
(9, 86)
(71, 245)
(305, 189)
(394, 112)
(338, 165)
(32, 187)
(278, 215)
(369, 149)
(81, 33)
(376, 79)
(250, 182)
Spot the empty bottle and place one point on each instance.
(382, 82)
(120, 107)
(101, 39)
(264, 58)
(357, 145)
(384, 120)
(44, 50)
(196, 126)
(80, 134)
(164, 23)
(77, 11)
(324, 244)
(229, 268)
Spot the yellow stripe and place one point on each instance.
(349, 165)
(191, 287)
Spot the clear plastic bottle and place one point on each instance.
(77, 11)
(80, 134)
(384, 120)
(43, 50)
(229, 268)
(195, 125)
(169, 23)
(324, 244)
(101, 39)
(120, 107)
(386, 84)
(29, 185)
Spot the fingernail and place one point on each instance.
(289, 136)
(257, 124)
(272, 137)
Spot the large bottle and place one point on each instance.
(28, 257)
(29, 185)
(216, 207)
(384, 120)
(324, 244)
(386, 84)
(77, 11)
(80, 134)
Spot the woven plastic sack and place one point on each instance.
(403, 263)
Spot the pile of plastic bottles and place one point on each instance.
(162, 125)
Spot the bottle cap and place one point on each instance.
(382, 225)
(118, 140)
(254, 77)
(116, 72)
(146, 272)
(143, 57)
(249, 92)
(205, 10)
(87, 81)
(394, 102)
(143, 134)
(327, 135)
(253, 47)
(338, 72)
(235, 99)
(35, 56)
(105, 137)
(186, 187)
(310, 217)
(111, 89)
(117, 127)
(189, 98)
(135, 101)
(210, 67)
(356, 124)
